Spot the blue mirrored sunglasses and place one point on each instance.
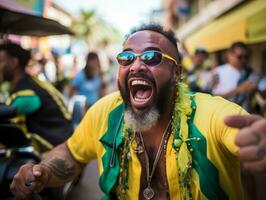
(149, 58)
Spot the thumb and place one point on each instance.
(37, 170)
(241, 121)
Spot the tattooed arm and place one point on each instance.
(57, 168)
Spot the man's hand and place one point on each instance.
(30, 179)
(251, 139)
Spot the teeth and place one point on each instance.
(139, 82)
(140, 99)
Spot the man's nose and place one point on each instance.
(137, 66)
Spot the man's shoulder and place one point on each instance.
(108, 102)
(212, 103)
(24, 84)
(223, 67)
(80, 74)
(211, 109)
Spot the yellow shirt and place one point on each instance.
(94, 139)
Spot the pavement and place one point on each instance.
(88, 186)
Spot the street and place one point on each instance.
(88, 187)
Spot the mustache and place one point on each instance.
(141, 75)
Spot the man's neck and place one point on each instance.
(236, 67)
(17, 78)
(160, 126)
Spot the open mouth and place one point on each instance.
(141, 92)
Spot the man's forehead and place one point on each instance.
(146, 36)
(238, 50)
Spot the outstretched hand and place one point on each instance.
(30, 179)
(251, 140)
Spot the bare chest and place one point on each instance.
(153, 173)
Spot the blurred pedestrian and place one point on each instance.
(37, 101)
(89, 81)
(199, 76)
(236, 80)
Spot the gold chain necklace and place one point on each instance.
(148, 192)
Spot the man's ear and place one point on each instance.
(14, 62)
(178, 71)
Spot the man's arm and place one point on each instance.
(251, 140)
(57, 168)
(62, 166)
(246, 87)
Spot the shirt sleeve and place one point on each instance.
(226, 134)
(25, 101)
(82, 143)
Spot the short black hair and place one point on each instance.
(169, 34)
(16, 51)
(201, 50)
(238, 44)
(92, 55)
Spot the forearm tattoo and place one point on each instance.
(60, 168)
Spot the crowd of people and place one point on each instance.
(153, 139)
(234, 80)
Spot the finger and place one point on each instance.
(261, 151)
(241, 121)
(260, 128)
(250, 153)
(18, 189)
(37, 170)
(256, 166)
(246, 137)
(24, 191)
(41, 177)
(18, 193)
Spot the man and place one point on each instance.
(199, 77)
(38, 102)
(150, 139)
(242, 80)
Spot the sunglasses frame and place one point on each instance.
(138, 55)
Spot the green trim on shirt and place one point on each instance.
(111, 141)
(27, 104)
(208, 173)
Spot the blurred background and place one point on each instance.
(61, 33)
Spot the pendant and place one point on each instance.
(139, 149)
(148, 193)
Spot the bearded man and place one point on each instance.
(154, 140)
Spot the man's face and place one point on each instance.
(6, 67)
(144, 87)
(199, 58)
(93, 66)
(238, 57)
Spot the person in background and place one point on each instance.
(89, 81)
(38, 103)
(153, 139)
(235, 80)
(199, 76)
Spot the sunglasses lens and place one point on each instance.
(125, 58)
(242, 57)
(151, 58)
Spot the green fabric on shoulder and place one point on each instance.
(27, 104)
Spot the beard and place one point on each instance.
(140, 121)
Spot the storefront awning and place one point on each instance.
(245, 23)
